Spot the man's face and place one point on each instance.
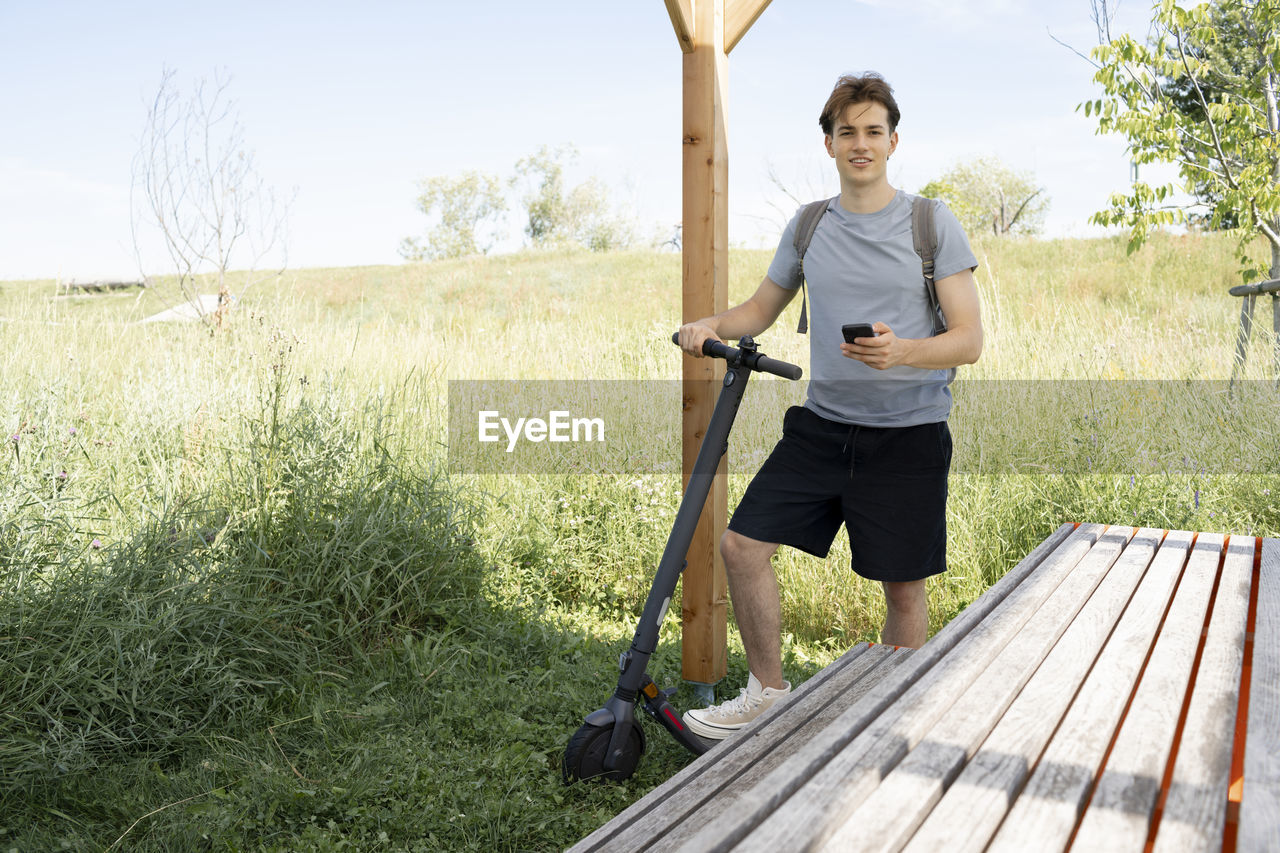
(861, 143)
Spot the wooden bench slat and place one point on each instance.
(1119, 814)
(1050, 803)
(728, 797)
(840, 768)
(1195, 808)
(886, 820)
(691, 775)
(1260, 801)
(971, 810)
(820, 698)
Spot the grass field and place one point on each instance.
(245, 604)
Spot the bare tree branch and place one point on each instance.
(797, 196)
(1102, 18)
(1073, 49)
(196, 184)
(1204, 104)
(1023, 207)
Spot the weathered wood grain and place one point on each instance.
(886, 820)
(992, 736)
(773, 755)
(1118, 816)
(1049, 805)
(971, 810)
(717, 775)
(833, 773)
(1260, 802)
(694, 775)
(1195, 808)
(698, 775)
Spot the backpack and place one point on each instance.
(924, 237)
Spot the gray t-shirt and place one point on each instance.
(863, 268)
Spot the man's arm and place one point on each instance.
(960, 344)
(749, 318)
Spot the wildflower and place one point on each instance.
(96, 544)
(1197, 499)
(71, 431)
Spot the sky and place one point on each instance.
(347, 106)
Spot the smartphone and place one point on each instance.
(856, 330)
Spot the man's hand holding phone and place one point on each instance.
(852, 331)
(873, 344)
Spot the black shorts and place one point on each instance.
(887, 485)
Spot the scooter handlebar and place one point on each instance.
(753, 360)
(785, 369)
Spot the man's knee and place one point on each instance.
(743, 551)
(906, 597)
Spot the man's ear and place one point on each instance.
(826, 140)
(893, 142)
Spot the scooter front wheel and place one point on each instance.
(585, 754)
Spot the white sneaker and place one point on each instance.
(719, 721)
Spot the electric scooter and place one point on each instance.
(610, 742)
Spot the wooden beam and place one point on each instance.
(682, 20)
(707, 30)
(705, 259)
(739, 15)
(1260, 806)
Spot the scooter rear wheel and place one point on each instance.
(584, 756)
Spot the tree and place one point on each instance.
(1185, 93)
(807, 182)
(461, 206)
(985, 194)
(196, 183)
(581, 215)
(1200, 93)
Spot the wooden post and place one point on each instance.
(1242, 336)
(1251, 292)
(706, 30)
(1275, 327)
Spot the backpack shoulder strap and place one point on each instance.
(806, 225)
(924, 236)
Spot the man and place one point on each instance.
(870, 447)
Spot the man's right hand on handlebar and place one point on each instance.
(693, 335)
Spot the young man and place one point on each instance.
(870, 447)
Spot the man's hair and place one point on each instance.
(857, 90)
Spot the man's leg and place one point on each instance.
(753, 588)
(906, 621)
(754, 591)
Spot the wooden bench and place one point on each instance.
(99, 286)
(1103, 695)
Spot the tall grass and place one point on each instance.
(245, 605)
(251, 552)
